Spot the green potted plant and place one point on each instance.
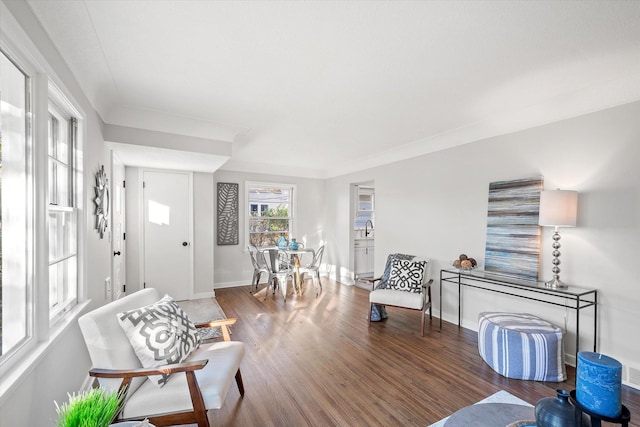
(90, 408)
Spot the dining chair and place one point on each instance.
(259, 266)
(313, 269)
(281, 270)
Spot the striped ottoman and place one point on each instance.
(521, 346)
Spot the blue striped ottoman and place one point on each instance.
(521, 346)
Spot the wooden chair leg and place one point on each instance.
(370, 311)
(197, 401)
(422, 323)
(239, 383)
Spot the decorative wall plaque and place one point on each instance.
(101, 201)
(227, 213)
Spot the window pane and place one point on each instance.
(269, 214)
(61, 275)
(62, 185)
(13, 205)
(62, 235)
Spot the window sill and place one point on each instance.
(12, 375)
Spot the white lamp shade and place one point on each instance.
(558, 208)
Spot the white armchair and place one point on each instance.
(405, 283)
(198, 384)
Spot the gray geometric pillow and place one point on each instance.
(407, 275)
(160, 334)
(384, 282)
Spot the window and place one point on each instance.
(38, 208)
(62, 131)
(365, 211)
(275, 218)
(15, 209)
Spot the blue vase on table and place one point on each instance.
(282, 243)
(293, 245)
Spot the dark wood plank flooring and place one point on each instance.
(314, 362)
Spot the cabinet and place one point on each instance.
(363, 252)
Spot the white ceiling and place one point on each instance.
(329, 87)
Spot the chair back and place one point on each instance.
(317, 258)
(257, 261)
(107, 342)
(276, 260)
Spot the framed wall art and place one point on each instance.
(513, 234)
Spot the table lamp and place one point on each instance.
(558, 208)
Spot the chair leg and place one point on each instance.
(256, 279)
(239, 383)
(370, 311)
(319, 283)
(422, 322)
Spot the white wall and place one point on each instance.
(233, 266)
(436, 206)
(203, 239)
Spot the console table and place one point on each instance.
(573, 297)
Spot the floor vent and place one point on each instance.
(633, 377)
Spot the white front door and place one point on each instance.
(118, 266)
(168, 264)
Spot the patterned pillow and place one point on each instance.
(160, 334)
(384, 283)
(407, 275)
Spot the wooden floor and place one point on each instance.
(314, 362)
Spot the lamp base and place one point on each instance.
(556, 284)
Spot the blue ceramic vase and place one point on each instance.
(293, 245)
(282, 243)
(558, 412)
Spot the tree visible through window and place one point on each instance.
(274, 219)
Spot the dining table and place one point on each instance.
(295, 256)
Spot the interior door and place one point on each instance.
(167, 248)
(118, 265)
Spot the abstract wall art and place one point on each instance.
(227, 213)
(513, 234)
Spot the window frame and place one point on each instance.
(364, 190)
(59, 108)
(44, 85)
(264, 184)
(26, 343)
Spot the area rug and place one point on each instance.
(499, 397)
(202, 311)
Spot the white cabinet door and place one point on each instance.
(360, 260)
(363, 257)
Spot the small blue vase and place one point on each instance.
(293, 245)
(282, 243)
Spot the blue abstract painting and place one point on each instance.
(513, 234)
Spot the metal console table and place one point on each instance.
(573, 297)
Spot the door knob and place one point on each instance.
(116, 253)
(184, 243)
